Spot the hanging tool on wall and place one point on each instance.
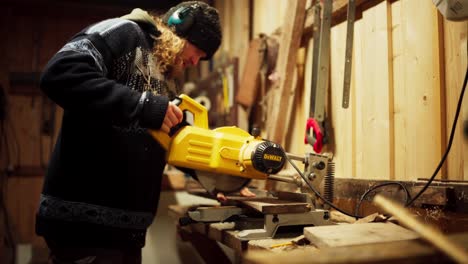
(348, 52)
(315, 132)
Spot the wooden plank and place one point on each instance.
(439, 79)
(278, 120)
(356, 234)
(295, 143)
(276, 206)
(249, 82)
(417, 93)
(429, 233)
(22, 208)
(455, 43)
(409, 251)
(373, 95)
(342, 119)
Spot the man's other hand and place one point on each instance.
(173, 117)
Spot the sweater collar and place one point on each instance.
(141, 16)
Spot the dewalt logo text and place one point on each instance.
(272, 157)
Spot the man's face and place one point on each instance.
(190, 56)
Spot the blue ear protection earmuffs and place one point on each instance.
(182, 19)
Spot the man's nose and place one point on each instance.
(195, 60)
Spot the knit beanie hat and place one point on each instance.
(198, 23)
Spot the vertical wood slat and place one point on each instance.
(373, 95)
(295, 142)
(439, 80)
(280, 112)
(417, 93)
(456, 60)
(22, 200)
(391, 92)
(342, 119)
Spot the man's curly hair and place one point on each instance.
(168, 46)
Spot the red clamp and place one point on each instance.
(317, 135)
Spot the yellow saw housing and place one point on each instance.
(225, 150)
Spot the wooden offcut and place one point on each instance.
(356, 234)
(277, 206)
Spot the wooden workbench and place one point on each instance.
(204, 237)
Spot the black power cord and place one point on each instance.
(452, 134)
(408, 196)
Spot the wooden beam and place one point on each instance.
(279, 112)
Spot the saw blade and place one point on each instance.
(215, 182)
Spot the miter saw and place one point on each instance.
(226, 159)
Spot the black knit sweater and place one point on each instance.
(103, 182)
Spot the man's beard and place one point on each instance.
(175, 70)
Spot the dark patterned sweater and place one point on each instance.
(103, 181)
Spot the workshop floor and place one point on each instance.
(162, 242)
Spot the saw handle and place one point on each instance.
(316, 137)
(195, 114)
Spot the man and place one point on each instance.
(114, 81)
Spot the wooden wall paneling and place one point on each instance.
(341, 119)
(269, 15)
(358, 164)
(22, 200)
(455, 43)
(417, 92)
(22, 44)
(400, 109)
(373, 135)
(25, 113)
(223, 9)
(236, 31)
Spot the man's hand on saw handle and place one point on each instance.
(173, 117)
